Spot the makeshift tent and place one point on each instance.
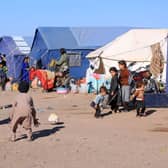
(133, 46)
(15, 49)
(77, 41)
(143, 47)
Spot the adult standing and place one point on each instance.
(124, 83)
(25, 70)
(4, 60)
(3, 77)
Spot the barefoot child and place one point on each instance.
(139, 95)
(23, 112)
(101, 100)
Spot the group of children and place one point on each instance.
(120, 93)
(23, 112)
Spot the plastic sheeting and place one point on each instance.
(156, 100)
(48, 40)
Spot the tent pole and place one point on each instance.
(97, 86)
(167, 68)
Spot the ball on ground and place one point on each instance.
(53, 118)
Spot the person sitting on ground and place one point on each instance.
(151, 86)
(114, 86)
(139, 96)
(124, 82)
(101, 101)
(23, 112)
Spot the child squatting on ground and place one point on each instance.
(23, 112)
(100, 101)
(139, 96)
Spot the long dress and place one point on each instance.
(25, 72)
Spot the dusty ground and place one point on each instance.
(81, 141)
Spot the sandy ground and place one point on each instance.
(81, 141)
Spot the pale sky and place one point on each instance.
(21, 17)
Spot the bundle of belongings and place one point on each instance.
(43, 78)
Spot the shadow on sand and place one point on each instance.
(150, 112)
(46, 132)
(43, 133)
(160, 129)
(5, 121)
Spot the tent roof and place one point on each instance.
(131, 46)
(29, 40)
(14, 45)
(79, 37)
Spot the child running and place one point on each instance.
(23, 112)
(140, 101)
(100, 101)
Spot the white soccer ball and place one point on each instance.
(53, 118)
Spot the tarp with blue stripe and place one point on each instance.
(48, 40)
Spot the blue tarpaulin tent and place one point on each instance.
(77, 41)
(15, 49)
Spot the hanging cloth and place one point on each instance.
(101, 69)
(157, 61)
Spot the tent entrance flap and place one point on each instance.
(157, 61)
(167, 69)
(101, 69)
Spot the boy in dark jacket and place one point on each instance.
(113, 96)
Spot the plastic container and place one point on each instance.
(74, 88)
(61, 90)
(83, 88)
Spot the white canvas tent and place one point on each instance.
(135, 45)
